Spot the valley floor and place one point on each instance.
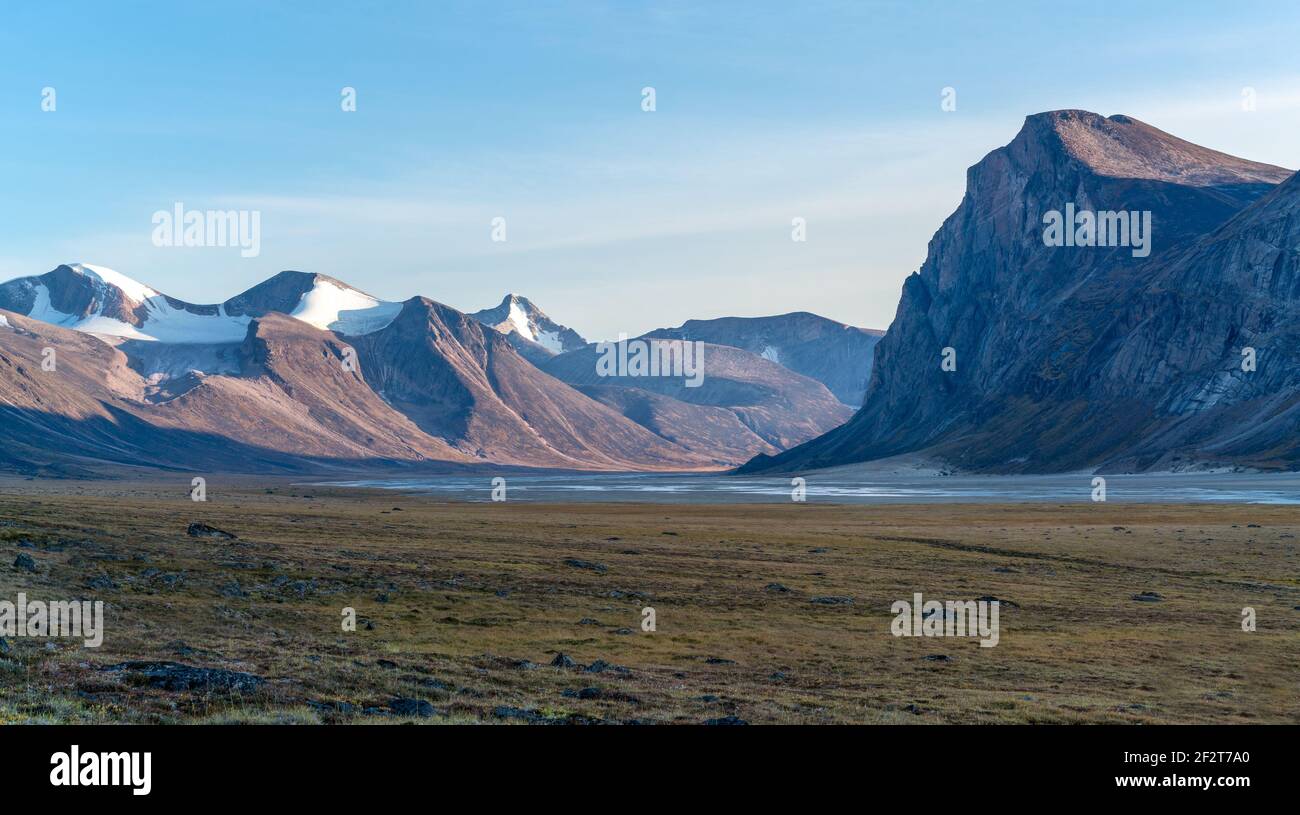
(462, 607)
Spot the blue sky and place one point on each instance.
(618, 220)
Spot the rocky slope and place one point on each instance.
(771, 405)
(1073, 357)
(837, 355)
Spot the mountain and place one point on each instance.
(528, 329)
(259, 383)
(1074, 357)
(769, 406)
(837, 355)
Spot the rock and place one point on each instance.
(719, 661)
(232, 589)
(585, 564)
(202, 530)
(386, 663)
(175, 676)
(563, 661)
(726, 721)
(777, 587)
(584, 693)
(588, 621)
(526, 714)
(24, 563)
(938, 658)
(5, 647)
(1148, 597)
(411, 707)
(26, 544)
(988, 598)
(596, 667)
(101, 583)
(838, 600)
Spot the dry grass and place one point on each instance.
(458, 595)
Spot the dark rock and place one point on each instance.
(719, 661)
(101, 583)
(202, 530)
(588, 621)
(835, 600)
(988, 598)
(411, 707)
(563, 661)
(777, 587)
(938, 658)
(232, 589)
(174, 676)
(1148, 597)
(24, 563)
(585, 564)
(526, 714)
(726, 721)
(386, 663)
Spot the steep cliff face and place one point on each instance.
(1053, 367)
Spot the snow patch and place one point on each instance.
(771, 354)
(332, 307)
(161, 323)
(519, 319)
(550, 340)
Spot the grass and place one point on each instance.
(454, 598)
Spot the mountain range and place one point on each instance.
(1163, 333)
(1065, 358)
(304, 372)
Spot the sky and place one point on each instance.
(617, 219)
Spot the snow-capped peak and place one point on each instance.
(518, 316)
(521, 319)
(98, 300)
(133, 289)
